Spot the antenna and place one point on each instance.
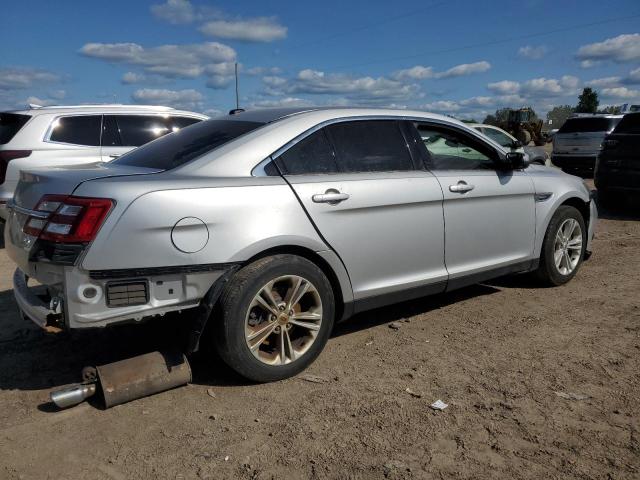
(237, 97)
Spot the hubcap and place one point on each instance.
(283, 320)
(568, 246)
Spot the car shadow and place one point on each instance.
(628, 209)
(31, 359)
(1, 235)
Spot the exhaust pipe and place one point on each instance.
(68, 397)
(128, 380)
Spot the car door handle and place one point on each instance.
(461, 187)
(332, 197)
(115, 155)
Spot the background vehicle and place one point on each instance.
(523, 125)
(618, 165)
(578, 142)
(76, 135)
(277, 223)
(536, 155)
(630, 108)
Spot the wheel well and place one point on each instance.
(582, 207)
(312, 257)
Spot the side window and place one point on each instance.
(370, 146)
(176, 123)
(313, 154)
(498, 136)
(452, 150)
(79, 130)
(110, 133)
(136, 130)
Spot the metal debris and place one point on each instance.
(211, 392)
(307, 377)
(412, 393)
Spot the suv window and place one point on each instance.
(175, 123)
(10, 124)
(451, 150)
(588, 124)
(183, 146)
(370, 146)
(629, 124)
(313, 154)
(136, 130)
(77, 130)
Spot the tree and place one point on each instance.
(588, 101)
(490, 120)
(558, 115)
(611, 109)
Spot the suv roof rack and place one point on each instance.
(102, 105)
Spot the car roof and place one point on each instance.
(102, 108)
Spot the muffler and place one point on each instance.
(127, 380)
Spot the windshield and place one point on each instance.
(10, 124)
(589, 124)
(189, 143)
(498, 137)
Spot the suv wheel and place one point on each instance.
(563, 247)
(275, 317)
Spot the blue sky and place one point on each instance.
(460, 57)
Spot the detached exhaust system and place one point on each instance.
(127, 380)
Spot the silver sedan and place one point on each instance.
(266, 227)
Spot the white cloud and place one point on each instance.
(212, 59)
(414, 73)
(589, 63)
(17, 78)
(422, 73)
(465, 69)
(184, 99)
(259, 29)
(363, 90)
(58, 94)
(504, 87)
(133, 77)
(282, 102)
(43, 102)
(442, 106)
(531, 52)
(620, 92)
(620, 49)
(633, 77)
(537, 87)
(606, 82)
(175, 11)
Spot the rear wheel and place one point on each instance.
(563, 247)
(275, 317)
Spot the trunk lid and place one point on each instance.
(34, 184)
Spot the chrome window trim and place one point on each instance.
(258, 170)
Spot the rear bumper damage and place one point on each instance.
(80, 301)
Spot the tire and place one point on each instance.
(240, 314)
(549, 272)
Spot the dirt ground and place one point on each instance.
(496, 353)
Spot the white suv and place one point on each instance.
(77, 135)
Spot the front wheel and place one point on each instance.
(274, 318)
(563, 247)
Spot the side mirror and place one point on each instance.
(516, 144)
(517, 160)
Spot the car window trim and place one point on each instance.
(49, 131)
(256, 171)
(473, 138)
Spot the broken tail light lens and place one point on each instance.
(71, 219)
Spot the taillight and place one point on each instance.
(6, 156)
(70, 220)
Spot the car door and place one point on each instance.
(382, 215)
(489, 211)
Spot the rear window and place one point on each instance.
(180, 147)
(81, 130)
(629, 124)
(595, 124)
(10, 124)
